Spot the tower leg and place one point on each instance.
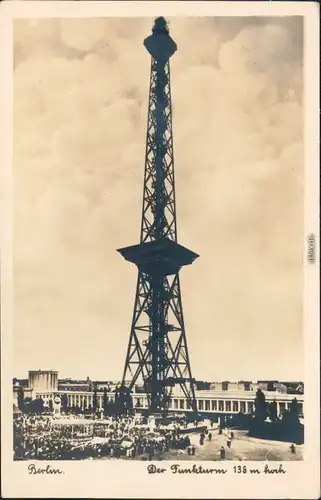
(157, 354)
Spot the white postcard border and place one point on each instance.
(119, 479)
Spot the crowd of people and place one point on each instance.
(31, 424)
(45, 438)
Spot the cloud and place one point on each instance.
(80, 99)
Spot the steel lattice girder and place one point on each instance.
(157, 351)
(152, 148)
(139, 357)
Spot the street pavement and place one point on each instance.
(242, 448)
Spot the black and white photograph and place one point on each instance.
(159, 242)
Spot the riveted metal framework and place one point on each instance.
(159, 209)
(157, 353)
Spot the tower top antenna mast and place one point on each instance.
(160, 45)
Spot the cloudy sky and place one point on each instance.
(80, 109)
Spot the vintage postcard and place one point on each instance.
(160, 249)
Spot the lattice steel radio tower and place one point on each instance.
(157, 351)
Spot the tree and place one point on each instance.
(64, 402)
(294, 408)
(105, 402)
(38, 405)
(292, 417)
(123, 401)
(95, 400)
(26, 405)
(112, 408)
(33, 405)
(20, 399)
(273, 411)
(260, 406)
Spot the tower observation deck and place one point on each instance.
(157, 354)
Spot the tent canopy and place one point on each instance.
(73, 421)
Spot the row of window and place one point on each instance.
(210, 405)
(214, 405)
(75, 399)
(218, 405)
(182, 404)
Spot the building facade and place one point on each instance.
(43, 380)
(226, 398)
(209, 402)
